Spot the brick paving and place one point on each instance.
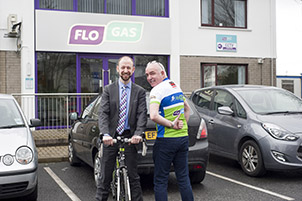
(51, 145)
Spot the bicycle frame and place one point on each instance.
(120, 182)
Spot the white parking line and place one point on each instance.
(63, 186)
(250, 186)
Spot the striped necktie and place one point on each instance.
(122, 117)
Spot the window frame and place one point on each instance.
(133, 8)
(215, 68)
(212, 24)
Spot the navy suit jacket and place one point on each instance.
(109, 110)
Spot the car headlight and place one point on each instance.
(8, 159)
(279, 133)
(24, 155)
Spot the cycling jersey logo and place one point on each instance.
(177, 112)
(172, 84)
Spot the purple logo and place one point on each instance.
(176, 113)
(86, 35)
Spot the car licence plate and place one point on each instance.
(150, 135)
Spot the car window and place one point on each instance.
(95, 112)
(239, 110)
(203, 98)
(88, 109)
(268, 100)
(223, 98)
(10, 114)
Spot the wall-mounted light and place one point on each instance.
(14, 33)
(13, 27)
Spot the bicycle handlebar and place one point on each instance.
(123, 140)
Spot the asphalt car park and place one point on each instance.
(224, 181)
(84, 133)
(259, 126)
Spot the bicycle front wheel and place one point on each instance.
(125, 186)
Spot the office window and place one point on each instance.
(91, 6)
(56, 4)
(121, 7)
(224, 13)
(150, 7)
(288, 85)
(56, 73)
(222, 74)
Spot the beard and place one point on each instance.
(125, 76)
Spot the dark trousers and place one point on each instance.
(165, 152)
(107, 165)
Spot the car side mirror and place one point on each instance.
(74, 116)
(35, 122)
(225, 110)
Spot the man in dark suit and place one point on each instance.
(122, 112)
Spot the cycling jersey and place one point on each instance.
(171, 102)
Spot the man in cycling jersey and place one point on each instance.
(170, 110)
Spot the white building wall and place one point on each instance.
(258, 40)
(24, 9)
(289, 31)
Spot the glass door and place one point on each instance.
(95, 72)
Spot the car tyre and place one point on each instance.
(250, 159)
(97, 168)
(197, 176)
(73, 159)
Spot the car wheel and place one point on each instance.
(97, 168)
(34, 195)
(73, 159)
(197, 176)
(250, 159)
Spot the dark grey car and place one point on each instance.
(85, 131)
(259, 126)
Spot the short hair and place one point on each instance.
(162, 68)
(118, 62)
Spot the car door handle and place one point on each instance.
(93, 129)
(211, 121)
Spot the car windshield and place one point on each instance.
(10, 115)
(271, 101)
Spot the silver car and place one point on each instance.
(259, 126)
(18, 155)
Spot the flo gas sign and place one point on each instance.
(115, 31)
(86, 35)
(124, 31)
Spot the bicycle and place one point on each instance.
(120, 185)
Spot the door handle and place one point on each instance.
(211, 121)
(93, 129)
(110, 81)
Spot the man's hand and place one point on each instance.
(136, 139)
(108, 140)
(178, 124)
